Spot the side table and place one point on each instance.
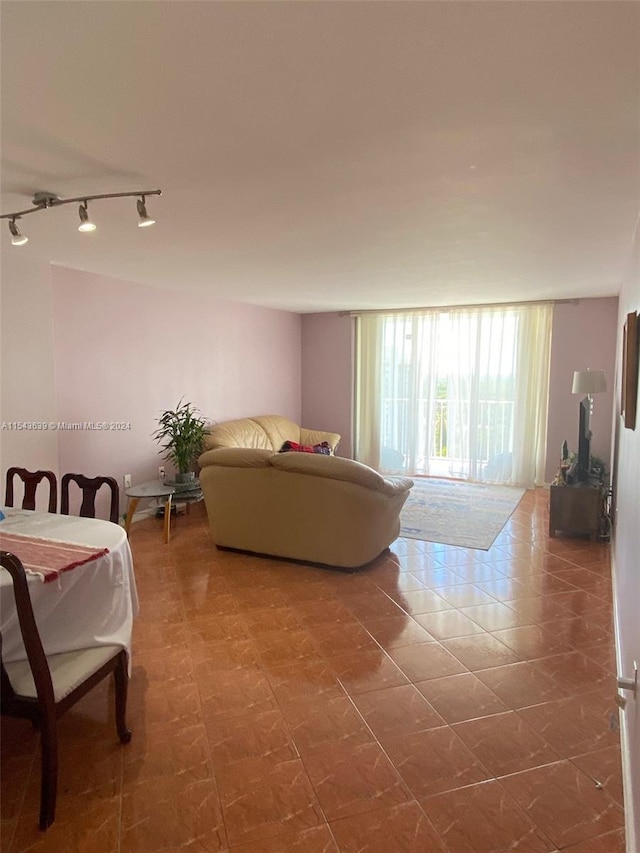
(576, 509)
(187, 493)
(150, 489)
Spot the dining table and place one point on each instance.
(88, 599)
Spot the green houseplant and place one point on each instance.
(181, 434)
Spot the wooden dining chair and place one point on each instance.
(89, 487)
(31, 481)
(43, 687)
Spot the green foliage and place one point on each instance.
(181, 434)
(597, 466)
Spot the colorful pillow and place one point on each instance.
(323, 448)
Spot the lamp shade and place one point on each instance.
(588, 382)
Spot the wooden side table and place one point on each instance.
(576, 509)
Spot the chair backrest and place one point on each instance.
(57, 687)
(89, 487)
(33, 647)
(31, 480)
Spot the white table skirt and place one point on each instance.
(91, 605)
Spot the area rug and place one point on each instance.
(469, 515)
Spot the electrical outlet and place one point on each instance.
(161, 472)
(127, 481)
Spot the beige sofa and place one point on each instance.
(302, 506)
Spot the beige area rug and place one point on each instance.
(469, 515)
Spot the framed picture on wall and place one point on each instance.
(629, 384)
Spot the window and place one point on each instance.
(455, 392)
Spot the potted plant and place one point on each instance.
(181, 434)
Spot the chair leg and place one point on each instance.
(49, 771)
(121, 678)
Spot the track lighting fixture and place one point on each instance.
(85, 223)
(17, 239)
(45, 200)
(145, 219)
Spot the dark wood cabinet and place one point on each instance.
(576, 509)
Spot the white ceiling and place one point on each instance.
(318, 156)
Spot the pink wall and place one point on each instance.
(584, 335)
(327, 375)
(124, 352)
(27, 386)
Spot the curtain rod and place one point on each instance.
(444, 308)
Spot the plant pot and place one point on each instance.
(187, 482)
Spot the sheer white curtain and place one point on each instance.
(454, 392)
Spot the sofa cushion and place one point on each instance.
(278, 430)
(243, 432)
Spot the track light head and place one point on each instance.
(17, 239)
(145, 219)
(85, 223)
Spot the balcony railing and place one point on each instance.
(456, 432)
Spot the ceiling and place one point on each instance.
(321, 156)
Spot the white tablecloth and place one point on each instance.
(91, 605)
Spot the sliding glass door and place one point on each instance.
(456, 393)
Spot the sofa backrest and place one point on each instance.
(306, 464)
(266, 432)
(335, 468)
(278, 430)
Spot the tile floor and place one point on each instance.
(440, 700)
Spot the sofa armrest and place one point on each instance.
(336, 468)
(398, 485)
(236, 457)
(310, 437)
